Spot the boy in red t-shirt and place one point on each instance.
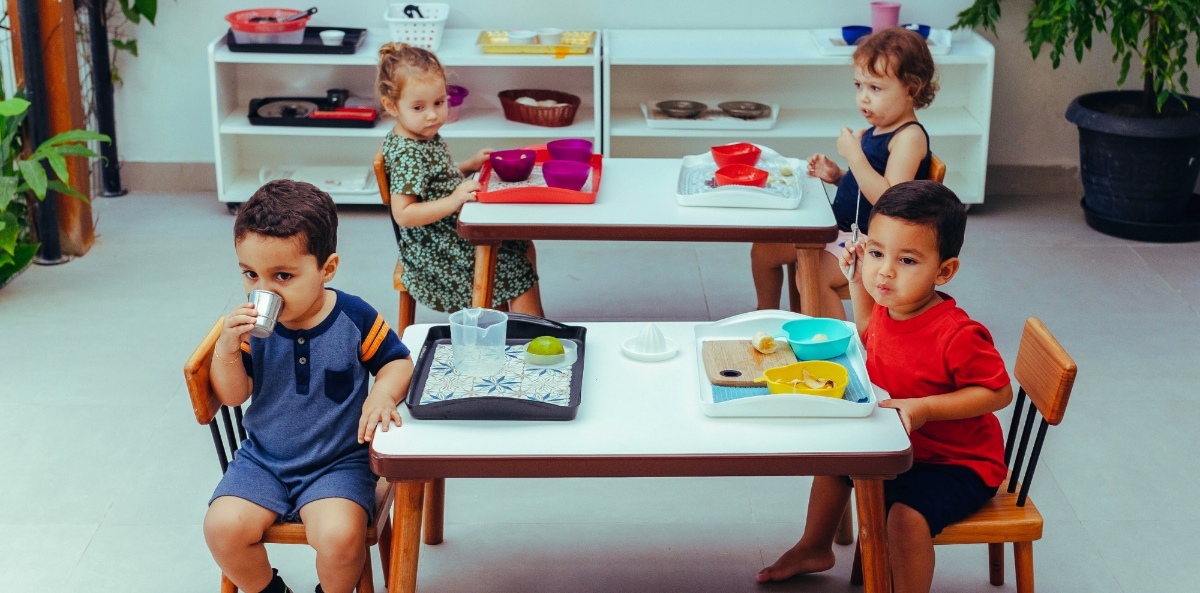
(943, 373)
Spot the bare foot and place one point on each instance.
(798, 560)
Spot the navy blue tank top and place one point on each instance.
(876, 149)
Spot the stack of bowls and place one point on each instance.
(570, 163)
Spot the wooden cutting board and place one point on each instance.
(735, 363)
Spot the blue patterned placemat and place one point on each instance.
(855, 391)
(515, 380)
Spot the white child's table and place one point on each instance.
(639, 420)
(637, 202)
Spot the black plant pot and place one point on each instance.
(1138, 173)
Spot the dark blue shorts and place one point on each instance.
(943, 494)
(247, 479)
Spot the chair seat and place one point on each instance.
(999, 520)
(293, 533)
(398, 277)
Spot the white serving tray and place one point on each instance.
(719, 121)
(697, 188)
(796, 405)
(830, 43)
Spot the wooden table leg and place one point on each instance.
(872, 535)
(808, 258)
(485, 275)
(406, 537)
(435, 510)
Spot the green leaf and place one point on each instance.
(59, 164)
(63, 188)
(35, 176)
(21, 258)
(75, 150)
(10, 227)
(8, 190)
(131, 14)
(76, 136)
(129, 45)
(148, 8)
(13, 106)
(6, 260)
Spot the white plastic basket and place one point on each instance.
(425, 33)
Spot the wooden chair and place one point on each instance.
(937, 172)
(435, 490)
(1046, 375)
(206, 406)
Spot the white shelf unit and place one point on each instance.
(243, 149)
(815, 93)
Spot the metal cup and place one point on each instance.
(267, 304)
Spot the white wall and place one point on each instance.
(163, 112)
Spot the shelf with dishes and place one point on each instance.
(476, 122)
(799, 123)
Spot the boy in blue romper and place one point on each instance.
(305, 455)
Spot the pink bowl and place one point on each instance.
(566, 174)
(513, 165)
(570, 149)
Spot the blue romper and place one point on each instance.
(876, 149)
(302, 423)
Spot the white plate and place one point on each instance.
(570, 349)
(697, 188)
(719, 121)
(830, 42)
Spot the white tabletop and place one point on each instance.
(641, 193)
(637, 409)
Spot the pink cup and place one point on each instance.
(884, 15)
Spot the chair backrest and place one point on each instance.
(381, 178)
(937, 169)
(196, 373)
(1046, 375)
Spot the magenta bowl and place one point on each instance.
(455, 95)
(571, 149)
(513, 165)
(566, 174)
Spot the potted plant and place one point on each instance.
(20, 177)
(1139, 151)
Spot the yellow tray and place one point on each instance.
(573, 43)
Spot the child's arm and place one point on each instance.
(380, 407)
(228, 377)
(821, 167)
(907, 148)
(859, 297)
(408, 211)
(475, 163)
(967, 402)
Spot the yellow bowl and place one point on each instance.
(780, 379)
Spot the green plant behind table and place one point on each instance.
(1157, 32)
(20, 177)
(131, 12)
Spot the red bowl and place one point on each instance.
(739, 174)
(741, 152)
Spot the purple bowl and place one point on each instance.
(566, 174)
(513, 165)
(455, 95)
(852, 33)
(571, 149)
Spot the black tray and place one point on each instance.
(311, 44)
(303, 122)
(521, 329)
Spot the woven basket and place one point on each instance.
(547, 117)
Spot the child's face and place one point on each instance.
(882, 100)
(901, 265)
(422, 108)
(285, 267)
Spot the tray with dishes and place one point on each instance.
(530, 42)
(830, 42)
(336, 179)
(329, 111)
(710, 115)
(741, 175)
(520, 390)
(311, 44)
(776, 363)
(560, 172)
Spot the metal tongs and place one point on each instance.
(412, 9)
(854, 238)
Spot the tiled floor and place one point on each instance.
(104, 473)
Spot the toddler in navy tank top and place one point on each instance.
(893, 77)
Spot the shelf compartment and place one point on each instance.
(800, 123)
(475, 123)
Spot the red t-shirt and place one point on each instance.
(941, 351)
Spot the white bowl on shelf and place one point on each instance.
(522, 37)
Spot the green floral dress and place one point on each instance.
(439, 266)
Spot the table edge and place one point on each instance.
(485, 232)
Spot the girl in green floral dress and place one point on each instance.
(428, 190)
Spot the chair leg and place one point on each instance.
(385, 546)
(996, 564)
(845, 532)
(365, 583)
(856, 577)
(435, 511)
(227, 585)
(1023, 562)
(789, 280)
(408, 312)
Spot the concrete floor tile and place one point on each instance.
(41, 557)
(1176, 264)
(1149, 556)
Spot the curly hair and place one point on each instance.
(400, 61)
(288, 209)
(928, 204)
(904, 54)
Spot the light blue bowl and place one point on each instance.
(799, 334)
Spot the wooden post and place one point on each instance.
(61, 62)
(872, 535)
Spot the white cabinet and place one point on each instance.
(242, 150)
(815, 93)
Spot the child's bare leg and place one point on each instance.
(766, 263)
(337, 530)
(910, 550)
(814, 551)
(233, 530)
(530, 301)
(831, 280)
